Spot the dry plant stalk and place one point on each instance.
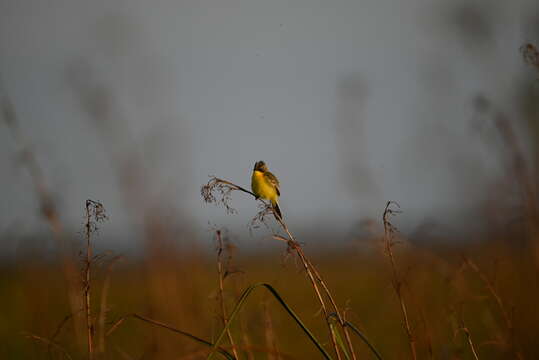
(222, 275)
(224, 189)
(246, 348)
(99, 102)
(50, 343)
(50, 214)
(156, 323)
(466, 331)
(95, 212)
(196, 354)
(230, 269)
(389, 236)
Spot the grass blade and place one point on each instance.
(364, 339)
(168, 327)
(339, 339)
(280, 300)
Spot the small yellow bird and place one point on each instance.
(266, 186)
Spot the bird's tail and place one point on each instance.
(276, 209)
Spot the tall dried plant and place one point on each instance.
(222, 274)
(218, 191)
(389, 242)
(50, 214)
(94, 214)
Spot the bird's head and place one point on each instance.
(260, 166)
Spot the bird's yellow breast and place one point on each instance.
(262, 187)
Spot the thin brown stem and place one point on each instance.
(389, 231)
(236, 187)
(225, 187)
(340, 316)
(221, 291)
(50, 214)
(247, 348)
(121, 320)
(314, 274)
(57, 331)
(95, 212)
(87, 284)
(310, 273)
(49, 343)
(466, 332)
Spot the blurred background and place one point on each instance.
(135, 104)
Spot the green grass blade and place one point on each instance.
(339, 339)
(241, 302)
(364, 338)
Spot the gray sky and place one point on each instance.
(351, 103)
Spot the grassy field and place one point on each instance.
(480, 298)
(379, 295)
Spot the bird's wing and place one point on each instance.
(272, 179)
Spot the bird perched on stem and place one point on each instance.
(266, 186)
